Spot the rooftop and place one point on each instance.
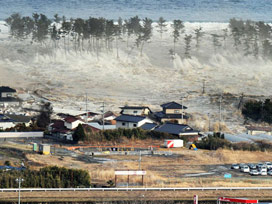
(175, 129)
(148, 126)
(71, 119)
(173, 105)
(7, 89)
(134, 107)
(259, 128)
(130, 118)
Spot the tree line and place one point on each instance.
(258, 111)
(100, 34)
(86, 134)
(217, 140)
(48, 177)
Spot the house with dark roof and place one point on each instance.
(135, 110)
(6, 92)
(7, 97)
(9, 121)
(131, 121)
(179, 130)
(172, 112)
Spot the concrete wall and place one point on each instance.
(20, 134)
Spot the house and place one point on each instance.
(91, 116)
(10, 121)
(7, 92)
(7, 97)
(178, 130)
(99, 126)
(72, 122)
(131, 121)
(257, 130)
(135, 110)
(172, 112)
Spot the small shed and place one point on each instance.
(44, 149)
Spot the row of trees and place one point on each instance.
(96, 34)
(258, 111)
(48, 177)
(86, 134)
(217, 140)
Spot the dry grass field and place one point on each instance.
(71, 196)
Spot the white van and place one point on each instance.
(245, 169)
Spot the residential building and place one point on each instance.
(172, 112)
(9, 121)
(131, 121)
(88, 116)
(135, 110)
(101, 127)
(179, 130)
(7, 97)
(72, 122)
(257, 130)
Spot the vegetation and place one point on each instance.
(217, 140)
(258, 111)
(48, 177)
(44, 118)
(118, 134)
(98, 34)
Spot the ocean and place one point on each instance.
(186, 10)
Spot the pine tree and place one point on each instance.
(79, 134)
(188, 39)
(162, 26)
(177, 26)
(198, 35)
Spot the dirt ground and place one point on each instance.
(131, 195)
(185, 168)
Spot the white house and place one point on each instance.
(131, 121)
(135, 110)
(72, 122)
(7, 97)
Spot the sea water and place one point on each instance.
(186, 10)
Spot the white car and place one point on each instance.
(268, 165)
(254, 172)
(245, 169)
(263, 172)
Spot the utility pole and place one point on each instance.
(140, 160)
(86, 108)
(103, 112)
(204, 86)
(209, 122)
(19, 180)
(220, 112)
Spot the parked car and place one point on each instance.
(254, 172)
(241, 165)
(269, 172)
(262, 168)
(263, 172)
(259, 165)
(252, 166)
(245, 169)
(234, 166)
(268, 165)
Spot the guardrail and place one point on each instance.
(134, 189)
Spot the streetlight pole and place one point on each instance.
(19, 180)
